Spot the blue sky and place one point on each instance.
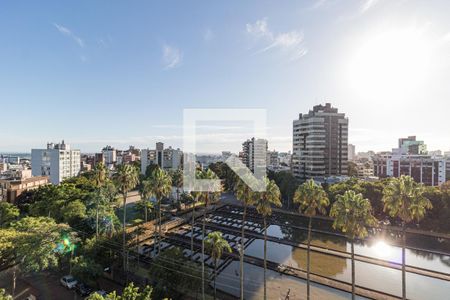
(121, 73)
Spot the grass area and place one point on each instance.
(132, 213)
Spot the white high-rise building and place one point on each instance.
(254, 154)
(58, 162)
(109, 155)
(351, 152)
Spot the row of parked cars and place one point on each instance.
(84, 290)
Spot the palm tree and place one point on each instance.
(191, 198)
(216, 244)
(145, 205)
(177, 181)
(404, 198)
(248, 197)
(145, 192)
(126, 179)
(271, 196)
(312, 199)
(352, 215)
(160, 187)
(207, 197)
(99, 176)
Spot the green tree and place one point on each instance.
(312, 200)
(145, 191)
(224, 172)
(287, 183)
(37, 244)
(4, 296)
(352, 169)
(265, 200)
(102, 250)
(8, 213)
(177, 181)
(86, 269)
(191, 198)
(73, 212)
(150, 169)
(175, 275)
(100, 175)
(216, 245)
(206, 197)
(248, 197)
(146, 207)
(129, 293)
(100, 211)
(340, 188)
(352, 215)
(126, 179)
(404, 198)
(160, 187)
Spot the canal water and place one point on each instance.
(368, 275)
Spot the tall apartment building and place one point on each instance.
(320, 143)
(351, 152)
(58, 162)
(169, 158)
(254, 154)
(109, 155)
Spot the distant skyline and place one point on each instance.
(108, 73)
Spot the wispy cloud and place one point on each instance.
(172, 56)
(259, 28)
(367, 5)
(318, 4)
(291, 43)
(67, 32)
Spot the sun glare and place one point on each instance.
(390, 65)
(382, 249)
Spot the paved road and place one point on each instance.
(46, 286)
(133, 196)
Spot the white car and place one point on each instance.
(68, 281)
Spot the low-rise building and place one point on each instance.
(273, 161)
(12, 184)
(411, 145)
(3, 167)
(364, 168)
(425, 169)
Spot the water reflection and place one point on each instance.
(371, 248)
(278, 285)
(368, 275)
